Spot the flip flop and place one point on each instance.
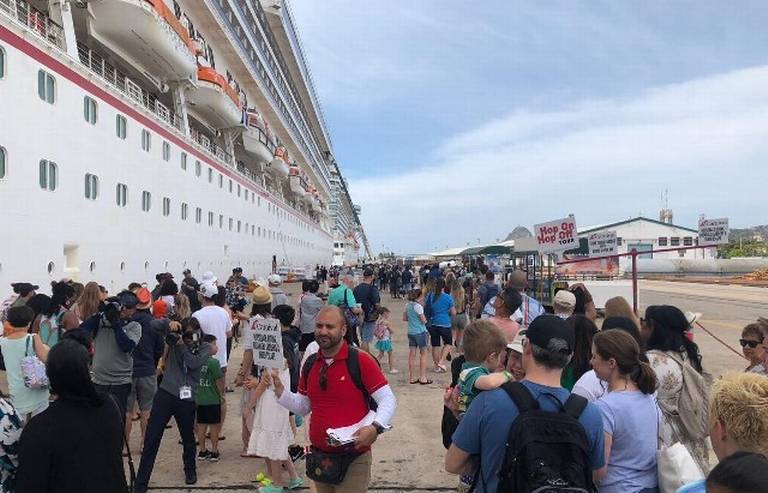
(426, 383)
(414, 382)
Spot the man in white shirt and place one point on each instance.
(214, 320)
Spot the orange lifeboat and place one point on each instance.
(214, 100)
(256, 139)
(279, 165)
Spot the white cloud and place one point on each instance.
(604, 160)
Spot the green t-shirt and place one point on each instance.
(336, 297)
(470, 372)
(207, 394)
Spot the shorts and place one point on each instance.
(306, 340)
(436, 333)
(209, 414)
(417, 340)
(384, 346)
(460, 321)
(366, 331)
(143, 390)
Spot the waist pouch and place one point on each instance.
(325, 467)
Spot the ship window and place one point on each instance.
(210, 219)
(48, 175)
(239, 224)
(238, 190)
(210, 175)
(246, 194)
(258, 201)
(146, 201)
(184, 211)
(2, 162)
(166, 151)
(166, 206)
(46, 86)
(259, 231)
(91, 186)
(2, 63)
(184, 161)
(146, 140)
(89, 110)
(198, 215)
(121, 194)
(221, 221)
(230, 185)
(221, 180)
(253, 230)
(121, 125)
(230, 223)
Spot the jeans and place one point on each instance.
(119, 392)
(164, 407)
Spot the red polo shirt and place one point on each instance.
(342, 403)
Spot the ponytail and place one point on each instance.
(619, 345)
(645, 378)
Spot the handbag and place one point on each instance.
(674, 464)
(353, 322)
(328, 468)
(33, 370)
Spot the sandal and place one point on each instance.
(428, 382)
(415, 382)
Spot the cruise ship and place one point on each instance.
(146, 136)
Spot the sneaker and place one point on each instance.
(203, 454)
(190, 477)
(295, 483)
(394, 370)
(213, 457)
(270, 489)
(296, 452)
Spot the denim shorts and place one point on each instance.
(417, 340)
(366, 331)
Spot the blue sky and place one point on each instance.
(455, 121)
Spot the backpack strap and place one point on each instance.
(308, 364)
(521, 396)
(353, 366)
(575, 405)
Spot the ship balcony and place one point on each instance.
(214, 100)
(149, 33)
(278, 167)
(36, 21)
(256, 139)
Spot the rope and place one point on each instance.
(719, 340)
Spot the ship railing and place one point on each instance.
(209, 145)
(98, 66)
(35, 20)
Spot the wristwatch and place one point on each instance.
(379, 428)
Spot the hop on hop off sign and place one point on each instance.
(556, 236)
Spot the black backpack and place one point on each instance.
(353, 367)
(546, 452)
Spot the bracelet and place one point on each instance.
(508, 375)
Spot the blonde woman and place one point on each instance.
(182, 307)
(460, 320)
(88, 303)
(620, 307)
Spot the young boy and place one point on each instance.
(209, 399)
(483, 346)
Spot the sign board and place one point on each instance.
(713, 231)
(556, 236)
(267, 343)
(602, 244)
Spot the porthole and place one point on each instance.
(122, 266)
(165, 265)
(51, 267)
(146, 265)
(92, 267)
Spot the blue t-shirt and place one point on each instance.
(699, 486)
(484, 429)
(631, 418)
(441, 308)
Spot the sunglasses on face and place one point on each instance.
(751, 344)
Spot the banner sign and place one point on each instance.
(267, 343)
(556, 236)
(602, 244)
(713, 231)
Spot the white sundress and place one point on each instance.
(271, 434)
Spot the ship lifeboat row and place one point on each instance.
(296, 182)
(257, 138)
(146, 32)
(214, 99)
(278, 167)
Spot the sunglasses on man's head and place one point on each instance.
(747, 342)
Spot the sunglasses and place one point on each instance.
(324, 377)
(751, 344)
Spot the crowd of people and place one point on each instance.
(552, 397)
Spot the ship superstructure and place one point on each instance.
(144, 136)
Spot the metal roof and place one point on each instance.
(592, 229)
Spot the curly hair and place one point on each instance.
(740, 401)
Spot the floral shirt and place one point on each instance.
(10, 431)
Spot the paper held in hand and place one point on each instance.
(268, 344)
(346, 435)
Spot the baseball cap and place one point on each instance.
(517, 280)
(127, 299)
(517, 343)
(237, 269)
(565, 299)
(261, 296)
(145, 298)
(274, 279)
(208, 289)
(367, 272)
(159, 309)
(24, 288)
(186, 271)
(547, 327)
(208, 276)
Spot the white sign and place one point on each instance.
(602, 244)
(267, 343)
(713, 231)
(556, 236)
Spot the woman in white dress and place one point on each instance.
(667, 348)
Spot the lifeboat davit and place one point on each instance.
(256, 138)
(214, 100)
(147, 32)
(279, 165)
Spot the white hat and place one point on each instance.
(517, 343)
(275, 279)
(209, 277)
(564, 299)
(208, 289)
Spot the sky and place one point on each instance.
(456, 121)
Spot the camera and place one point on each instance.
(110, 309)
(190, 337)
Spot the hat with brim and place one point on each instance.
(517, 343)
(24, 288)
(145, 299)
(261, 296)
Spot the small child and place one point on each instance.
(483, 346)
(383, 335)
(209, 398)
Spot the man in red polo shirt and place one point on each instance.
(329, 392)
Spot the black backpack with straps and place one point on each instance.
(546, 452)
(353, 367)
